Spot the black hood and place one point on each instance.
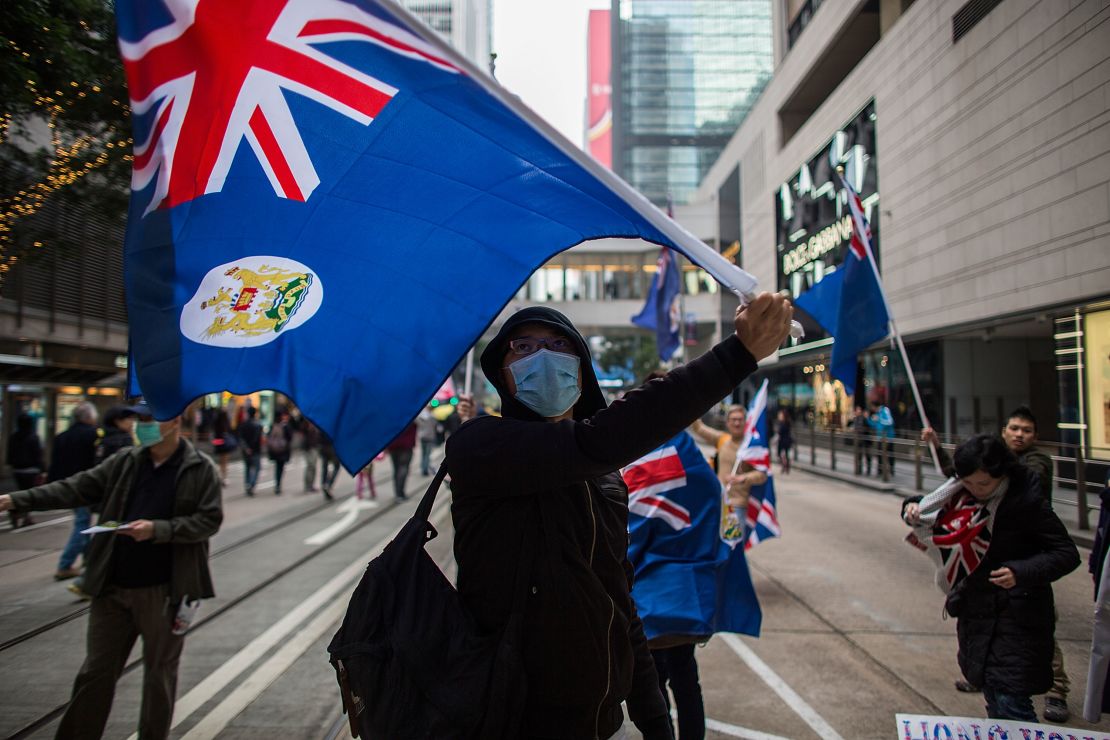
(592, 399)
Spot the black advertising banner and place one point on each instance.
(812, 221)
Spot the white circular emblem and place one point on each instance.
(251, 301)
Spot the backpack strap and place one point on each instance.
(528, 544)
(424, 510)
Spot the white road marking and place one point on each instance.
(250, 689)
(220, 678)
(350, 509)
(48, 523)
(743, 732)
(808, 714)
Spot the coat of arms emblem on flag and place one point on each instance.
(249, 302)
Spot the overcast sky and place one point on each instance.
(541, 56)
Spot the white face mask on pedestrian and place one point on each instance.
(547, 382)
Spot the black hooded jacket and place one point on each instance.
(584, 648)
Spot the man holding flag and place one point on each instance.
(554, 457)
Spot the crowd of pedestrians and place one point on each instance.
(554, 440)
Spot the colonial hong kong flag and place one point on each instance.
(660, 312)
(688, 582)
(761, 519)
(849, 303)
(330, 202)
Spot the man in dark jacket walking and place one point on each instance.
(168, 495)
(551, 464)
(74, 450)
(250, 443)
(25, 459)
(400, 454)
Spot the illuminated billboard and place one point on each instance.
(599, 121)
(813, 227)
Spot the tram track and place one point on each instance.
(230, 547)
(48, 717)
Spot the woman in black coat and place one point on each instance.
(1004, 606)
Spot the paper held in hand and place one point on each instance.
(106, 527)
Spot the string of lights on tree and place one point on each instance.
(69, 162)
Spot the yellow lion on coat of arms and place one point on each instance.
(257, 302)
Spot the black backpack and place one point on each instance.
(410, 660)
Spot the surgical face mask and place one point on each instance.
(148, 433)
(547, 382)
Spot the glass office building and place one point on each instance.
(685, 74)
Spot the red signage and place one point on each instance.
(599, 134)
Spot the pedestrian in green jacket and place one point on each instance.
(166, 497)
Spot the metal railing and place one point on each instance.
(1076, 477)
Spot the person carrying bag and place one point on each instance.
(411, 661)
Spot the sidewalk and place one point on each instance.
(902, 483)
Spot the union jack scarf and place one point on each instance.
(955, 530)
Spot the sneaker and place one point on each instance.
(250, 492)
(1055, 710)
(328, 496)
(66, 573)
(967, 687)
(75, 589)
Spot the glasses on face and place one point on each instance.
(529, 345)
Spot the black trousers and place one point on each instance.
(678, 669)
(401, 458)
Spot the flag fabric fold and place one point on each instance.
(660, 312)
(687, 580)
(849, 303)
(329, 202)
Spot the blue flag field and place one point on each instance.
(849, 303)
(329, 202)
(660, 311)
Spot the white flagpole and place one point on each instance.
(469, 372)
(894, 328)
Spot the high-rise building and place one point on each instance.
(685, 74)
(973, 133)
(467, 24)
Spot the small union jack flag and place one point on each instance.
(761, 519)
(860, 243)
(962, 536)
(650, 478)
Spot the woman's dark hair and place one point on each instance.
(984, 452)
(116, 414)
